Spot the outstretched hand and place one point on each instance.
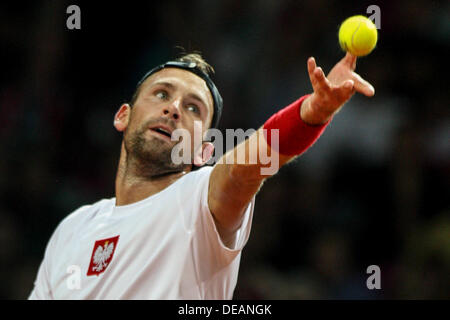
(331, 92)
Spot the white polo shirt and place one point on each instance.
(163, 247)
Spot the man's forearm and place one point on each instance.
(240, 173)
(233, 183)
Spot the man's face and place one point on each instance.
(169, 99)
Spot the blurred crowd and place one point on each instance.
(374, 190)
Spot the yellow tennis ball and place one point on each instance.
(358, 35)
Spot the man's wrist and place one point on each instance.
(295, 135)
(312, 116)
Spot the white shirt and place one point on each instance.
(163, 247)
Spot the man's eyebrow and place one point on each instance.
(164, 84)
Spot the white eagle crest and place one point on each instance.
(102, 255)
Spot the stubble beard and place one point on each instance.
(149, 158)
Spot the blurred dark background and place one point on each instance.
(374, 190)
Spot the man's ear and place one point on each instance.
(204, 154)
(122, 117)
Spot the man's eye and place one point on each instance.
(193, 108)
(161, 95)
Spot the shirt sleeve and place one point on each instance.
(42, 289)
(209, 248)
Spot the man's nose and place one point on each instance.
(172, 110)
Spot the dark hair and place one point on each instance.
(186, 57)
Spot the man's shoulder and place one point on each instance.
(78, 217)
(88, 211)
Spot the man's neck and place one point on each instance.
(132, 187)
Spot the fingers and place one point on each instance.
(311, 65)
(362, 86)
(317, 77)
(321, 81)
(348, 88)
(334, 95)
(350, 61)
(345, 91)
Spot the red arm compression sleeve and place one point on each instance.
(295, 135)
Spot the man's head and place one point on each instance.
(169, 98)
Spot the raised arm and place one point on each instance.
(234, 183)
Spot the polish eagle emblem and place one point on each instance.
(102, 255)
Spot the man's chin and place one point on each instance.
(153, 155)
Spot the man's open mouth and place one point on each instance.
(162, 130)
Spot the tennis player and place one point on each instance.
(176, 231)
